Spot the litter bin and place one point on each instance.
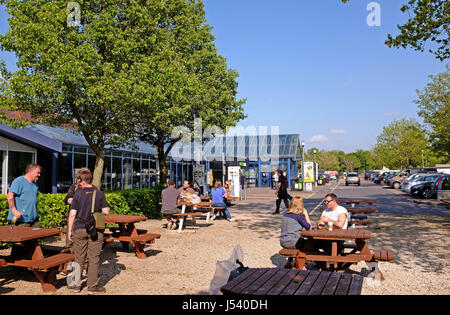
(300, 184)
(320, 181)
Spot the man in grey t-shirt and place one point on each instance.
(169, 198)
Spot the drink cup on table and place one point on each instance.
(330, 226)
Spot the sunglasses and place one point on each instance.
(328, 201)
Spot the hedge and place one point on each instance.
(53, 212)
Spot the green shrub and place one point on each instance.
(53, 211)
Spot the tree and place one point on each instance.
(185, 80)
(400, 145)
(428, 22)
(365, 159)
(434, 107)
(80, 72)
(350, 163)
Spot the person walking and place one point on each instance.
(281, 192)
(84, 245)
(22, 198)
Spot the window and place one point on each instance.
(65, 176)
(116, 174)
(18, 162)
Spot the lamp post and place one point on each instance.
(423, 162)
(303, 165)
(315, 169)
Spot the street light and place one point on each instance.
(423, 162)
(303, 165)
(315, 169)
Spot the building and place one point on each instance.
(61, 152)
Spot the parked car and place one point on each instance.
(430, 190)
(442, 188)
(352, 178)
(367, 175)
(411, 181)
(417, 185)
(397, 180)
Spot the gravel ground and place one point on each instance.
(184, 263)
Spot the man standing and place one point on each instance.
(83, 244)
(22, 197)
(335, 213)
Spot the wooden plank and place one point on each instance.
(344, 284)
(308, 283)
(15, 234)
(332, 284)
(260, 282)
(249, 280)
(295, 283)
(356, 285)
(230, 285)
(275, 281)
(320, 283)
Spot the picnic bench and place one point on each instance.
(197, 207)
(127, 233)
(335, 258)
(277, 281)
(358, 216)
(27, 252)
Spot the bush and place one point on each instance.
(53, 211)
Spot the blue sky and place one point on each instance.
(315, 67)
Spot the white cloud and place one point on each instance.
(318, 138)
(338, 131)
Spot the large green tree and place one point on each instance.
(78, 72)
(184, 81)
(126, 70)
(434, 107)
(400, 145)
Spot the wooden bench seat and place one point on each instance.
(387, 255)
(286, 252)
(362, 210)
(358, 217)
(52, 250)
(47, 263)
(146, 238)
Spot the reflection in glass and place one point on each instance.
(18, 161)
(116, 174)
(127, 173)
(64, 179)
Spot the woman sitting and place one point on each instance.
(294, 221)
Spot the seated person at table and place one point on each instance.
(334, 213)
(169, 199)
(294, 220)
(228, 188)
(218, 193)
(186, 190)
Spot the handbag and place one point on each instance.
(238, 271)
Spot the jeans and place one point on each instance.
(222, 204)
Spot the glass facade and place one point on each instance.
(121, 170)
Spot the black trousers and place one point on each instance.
(278, 203)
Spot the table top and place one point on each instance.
(282, 281)
(21, 234)
(357, 201)
(337, 234)
(114, 218)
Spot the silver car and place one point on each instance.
(421, 179)
(405, 185)
(352, 178)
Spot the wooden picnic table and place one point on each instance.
(28, 252)
(336, 259)
(358, 201)
(127, 233)
(276, 281)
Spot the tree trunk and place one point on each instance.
(98, 171)
(163, 169)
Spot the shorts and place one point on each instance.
(169, 212)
